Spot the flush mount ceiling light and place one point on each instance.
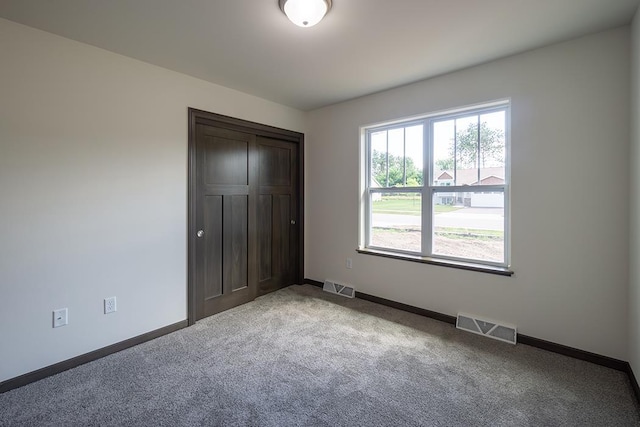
(305, 13)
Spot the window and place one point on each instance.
(438, 187)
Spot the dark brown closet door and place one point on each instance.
(277, 213)
(245, 211)
(226, 184)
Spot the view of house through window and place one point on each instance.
(437, 187)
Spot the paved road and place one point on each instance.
(483, 219)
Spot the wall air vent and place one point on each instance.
(487, 328)
(335, 288)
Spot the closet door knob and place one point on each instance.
(200, 233)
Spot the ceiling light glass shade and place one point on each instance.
(305, 13)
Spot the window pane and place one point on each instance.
(455, 151)
(443, 153)
(378, 141)
(470, 150)
(396, 157)
(466, 142)
(492, 148)
(414, 157)
(469, 225)
(396, 221)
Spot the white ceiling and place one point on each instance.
(361, 47)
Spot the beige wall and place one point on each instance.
(570, 210)
(93, 202)
(634, 158)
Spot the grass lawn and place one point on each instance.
(406, 205)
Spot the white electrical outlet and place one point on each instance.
(110, 305)
(60, 317)
(349, 263)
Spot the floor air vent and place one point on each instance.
(335, 288)
(491, 329)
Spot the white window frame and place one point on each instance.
(428, 190)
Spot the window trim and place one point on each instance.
(428, 190)
(470, 266)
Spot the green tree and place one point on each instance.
(402, 171)
(445, 164)
(491, 147)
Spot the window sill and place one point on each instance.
(502, 271)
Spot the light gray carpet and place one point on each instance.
(301, 357)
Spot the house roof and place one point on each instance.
(470, 176)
